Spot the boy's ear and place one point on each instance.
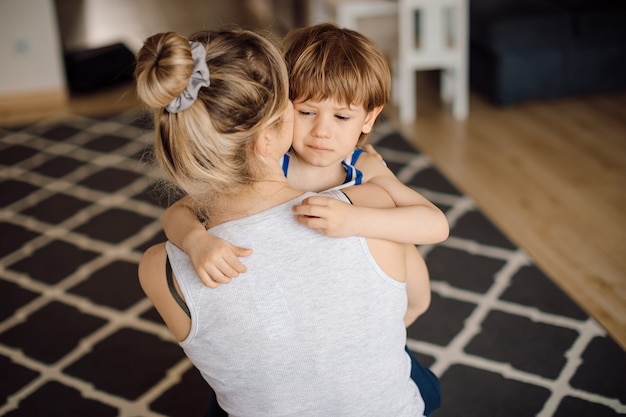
(370, 119)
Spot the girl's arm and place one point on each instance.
(414, 219)
(215, 260)
(417, 285)
(154, 284)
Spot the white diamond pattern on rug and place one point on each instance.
(78, 338)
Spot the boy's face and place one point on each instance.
(326, 131)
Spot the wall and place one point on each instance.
(30, 50)
(89, 24)
(34, 34)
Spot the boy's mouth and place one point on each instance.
(319, 148)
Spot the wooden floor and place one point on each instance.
(32, 108)
(551, 175)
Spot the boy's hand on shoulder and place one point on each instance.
(327, 216)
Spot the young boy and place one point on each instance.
(339, 84)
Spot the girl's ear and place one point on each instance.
(370, 119)
(263, 142)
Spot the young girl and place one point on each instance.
(315, 327)
(339, 81)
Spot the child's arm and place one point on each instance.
(414, 219)
(215, 260)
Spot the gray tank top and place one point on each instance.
(313, 328)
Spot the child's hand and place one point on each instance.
(327, 216)
(215, 260)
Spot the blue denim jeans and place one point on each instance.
(428, 384)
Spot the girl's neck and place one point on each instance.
(257, 198)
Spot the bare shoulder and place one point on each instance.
(153, 280)
(152, 267)
(372, 166)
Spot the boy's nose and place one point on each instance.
(321, 130)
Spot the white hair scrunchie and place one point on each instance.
(199, 78)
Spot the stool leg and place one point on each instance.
(407, 107)
(446, 85)
(460, 106)
(460, 100)
(406, 71)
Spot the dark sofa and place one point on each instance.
(522, 50)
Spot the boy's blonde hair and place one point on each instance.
(328, 62)
(208, 149)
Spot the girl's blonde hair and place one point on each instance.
(328, 62)
(208, 149)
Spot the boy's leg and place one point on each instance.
(428, 384)
(214, 409)
(417, 284)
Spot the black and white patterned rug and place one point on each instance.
(78, 338)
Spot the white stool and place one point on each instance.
(433, 34)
